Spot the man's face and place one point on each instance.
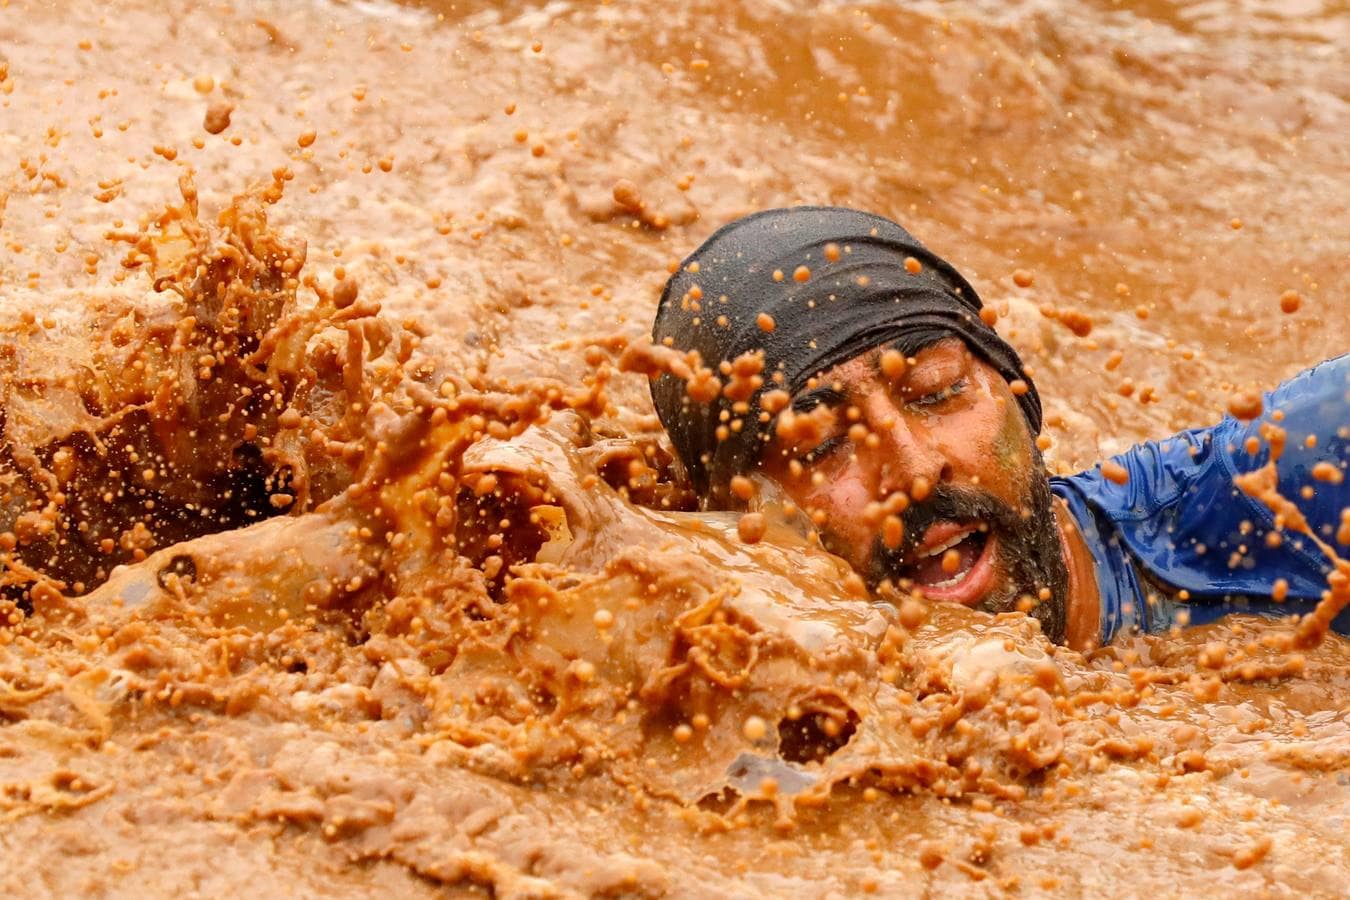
(922, 472)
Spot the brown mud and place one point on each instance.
(342, 558)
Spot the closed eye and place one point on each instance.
(941, 396)
(823, 450)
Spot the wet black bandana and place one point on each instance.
(863, 299)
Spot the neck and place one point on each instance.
(1084, 605)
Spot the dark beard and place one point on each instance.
(1029, 549)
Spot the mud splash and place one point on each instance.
(297, 591)
(468, 590)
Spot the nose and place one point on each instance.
(908, 449)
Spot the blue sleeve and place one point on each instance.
(1182, 520)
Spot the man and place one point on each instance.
(863, 383)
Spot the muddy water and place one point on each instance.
(371, 692)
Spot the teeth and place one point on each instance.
(943, 548)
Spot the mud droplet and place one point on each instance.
(217, 117)
(892, 364)
(892, 532)
(743, 488)
(751, 527)
(1245, 405)
(918, 491)
(754, 728)
(344, 295)
(951, 561)
(1328, 472)
(774, 401)
(912, 613)
(1115, 472)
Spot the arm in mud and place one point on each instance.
(1182, 518)
(157, 419)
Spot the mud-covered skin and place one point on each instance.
(352, 698)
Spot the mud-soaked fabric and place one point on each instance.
(833, 284)
(1181, 521)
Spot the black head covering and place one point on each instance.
(865, 299)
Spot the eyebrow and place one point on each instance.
(821, 396)
(909, 346)
(874, 357)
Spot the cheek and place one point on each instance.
(1006, 460)
(992, 442)
(843, 497)
(1013, 448)
(978, 439)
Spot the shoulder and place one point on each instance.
(1313, 408)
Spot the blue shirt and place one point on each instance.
(1179, 523)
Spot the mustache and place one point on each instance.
(944, 503)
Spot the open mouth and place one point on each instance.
(953, 562)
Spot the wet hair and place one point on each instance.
(808, 287)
